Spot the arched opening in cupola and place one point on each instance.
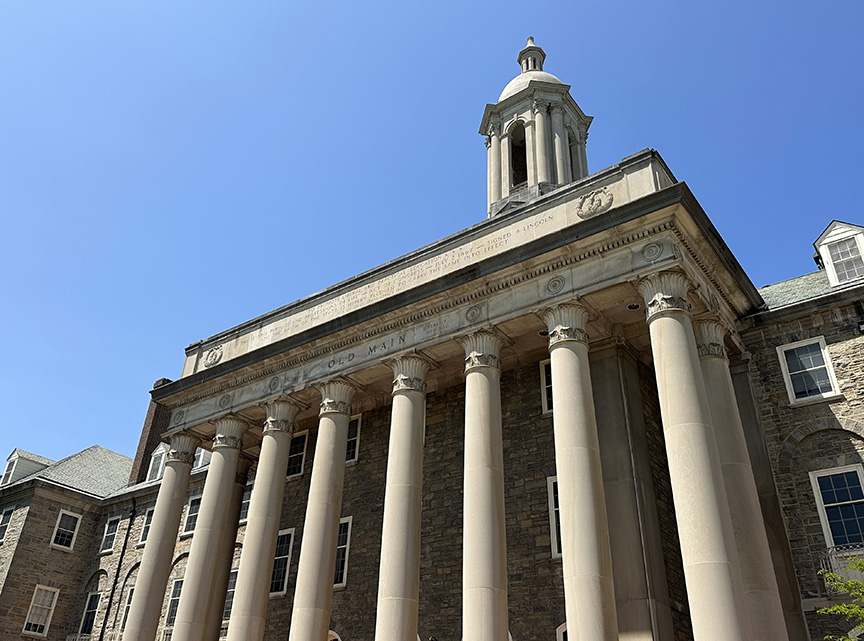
(518, 156)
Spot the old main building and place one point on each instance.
(578, 414)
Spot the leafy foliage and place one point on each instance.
(853, 610)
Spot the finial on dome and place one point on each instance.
(531, 57)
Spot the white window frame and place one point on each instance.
(200, 455)
(44, 633)
(305, 435)
(554, 515)
(186, 531)
(87, 609)
(6, 479)
(545, 384)
(108, 523)
(74, 533)
(145, 528)
(284, 590)
(160, 454)
(825, 253)
(350, 521)
(229, 592)
(787, 379)
(5, 521)
(820, 507)
(359, 419)
(126, 608)
(250, 486)
(561, 632)
(170, 626)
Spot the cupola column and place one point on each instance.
(494, 148)
(589, 594)
(399, 577)
(484, 548)
(313, 596)
(542, 142)
(249, 612)
(701, 508)
(761, 594)
(562, 153)
(146, 607)
(201, 570)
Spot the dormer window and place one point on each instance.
(7, 473)
(841, 252)
(157, 462)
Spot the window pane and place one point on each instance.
(278, 581)
(295, 455)
(90, 614)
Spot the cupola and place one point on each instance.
(535, 135)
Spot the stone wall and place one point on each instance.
(805, 438)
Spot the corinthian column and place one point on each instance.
(251, 596)
(314, 592)
(201, 571)
(761, 594)
(399, 578)
(146, 607)
(484, 546)
(589, 594)
(562, 151)
(494, 164)
(701, 509)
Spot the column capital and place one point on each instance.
(280, 416)
(243, 465)
(336, 397)
(710, 335)
(664, 291)
(409, 373)
(182, 448)
(482, 349)
(566, 323)
(494, 129)
(229, 432)
(540, 106)
(556, 108)
(487, 140)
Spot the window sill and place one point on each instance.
(340, 588)
(106, 552)
(294, 476)
(815, 399)
(62, 549)
(186, 535)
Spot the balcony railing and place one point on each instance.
(837, 560)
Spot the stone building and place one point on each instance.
(577, 412)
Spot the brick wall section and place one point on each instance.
(35, 562)
(156, 422)
(811, 437)
(665, 506)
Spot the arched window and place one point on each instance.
(518, 155)
(561, 632)
(332, 636)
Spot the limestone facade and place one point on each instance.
(569, 416)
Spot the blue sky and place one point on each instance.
(171, 169)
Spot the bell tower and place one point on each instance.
(535, 135)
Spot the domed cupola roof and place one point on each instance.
(531, 60)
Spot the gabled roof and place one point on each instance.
(834, 224)
(96, 471)
(18, 452)
(796, 290)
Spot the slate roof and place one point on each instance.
(95, 471)
(795, 290)
(30, 456)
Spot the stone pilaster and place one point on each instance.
(399, 577)
(761, 594)
(314, 591)
(201, 571)
(542, 142)
(251, 596)
(589, 594)
(701, 508)
(495, 193)
(562, 151)
(146, 606)
(484, 556)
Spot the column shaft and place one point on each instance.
(761, 594)
(506, 171)
(251, 597)
(494, 166)
(704, 525)
(201, 572)
(228, 540)
(146, 607)
(399, 578)
(589, 594)
(562, 164)
(313, 595)
(542, 143)
(484, 555)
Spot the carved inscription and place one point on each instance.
(378, 348)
